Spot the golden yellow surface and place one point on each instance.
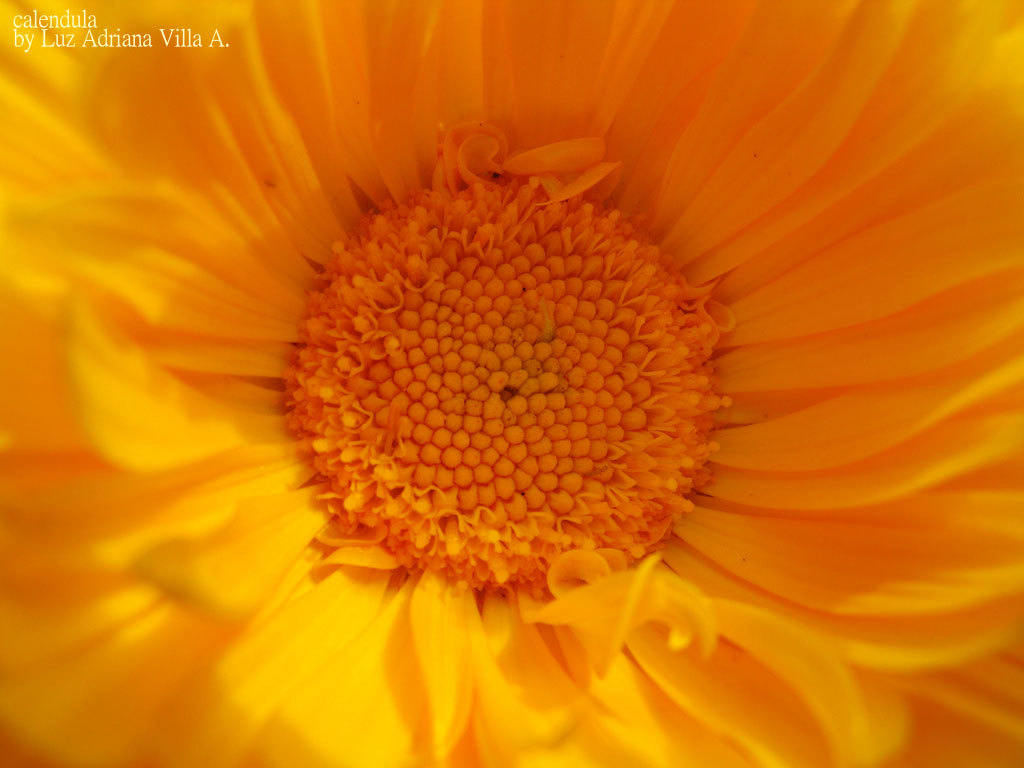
(844, 182)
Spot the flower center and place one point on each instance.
(491, 380)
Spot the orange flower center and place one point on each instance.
(490, 380)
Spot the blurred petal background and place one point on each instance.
(847, 178)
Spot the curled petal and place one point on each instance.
(468, 148)
(574, 568)
(476, 157)
(627, 600)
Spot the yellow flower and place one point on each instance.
(515, 384)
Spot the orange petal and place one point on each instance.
(571, 155)
(792, 143)
(942, 331)
(583, 182)
(889, 566)
(942, 453)
(629, 599)
(932, 242)
(834, 432)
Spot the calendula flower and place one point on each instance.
(516, 384)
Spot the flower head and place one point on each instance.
(516, 384)
(491, 380)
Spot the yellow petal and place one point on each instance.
(440, 615)
(216, 129)
(539, 80)
(589, 178)
(111, 517)
(141, 417)
(364, 705)
(635, 33)
(325, 91)
(575, 567)
(904, 643)
(234, 357)
(269, 664)
(362, 82)
(671, 88)
(937, 563)
(933, 70)
(986, 692)
(64, 709)
(403, 125)
(942, 331)
(985, 222)
(834, 432)
(525, 702)
(792, 143)
(560, 157)
(779, 48)
(943, 737)
(939, 454)
(197, 274)
(37, 352)
(817, 673)
(627, 600)
(735, 697)
(634, 723)
(233, 570)
(368, 556)
(58, 604)
(39, 144)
